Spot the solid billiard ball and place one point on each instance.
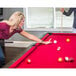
(67, 59)
(68, 40)
(28, 61)
(58, 48)
(60, 59)
(71, 59)
(55, 41)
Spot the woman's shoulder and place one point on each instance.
(3, 24)
(7, 22)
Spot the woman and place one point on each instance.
(12, 26)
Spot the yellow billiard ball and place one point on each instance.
(68, 40)
(60, 59)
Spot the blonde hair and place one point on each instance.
(16, 18)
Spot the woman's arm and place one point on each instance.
(67, 13)
(34, 38)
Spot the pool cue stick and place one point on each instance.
(18, 41)
(15, 42)
(61, 22)
(8, 42)
(22, 41)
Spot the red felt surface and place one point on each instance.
(46, 56)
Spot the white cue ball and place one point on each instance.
(55, 41)
(66, 58)
(59, 48)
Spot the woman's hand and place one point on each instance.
(46, 42)
(62, 10)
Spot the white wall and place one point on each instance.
(40, 17)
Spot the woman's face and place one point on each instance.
(21, 23)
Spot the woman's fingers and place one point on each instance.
(62, 10)
(50, 39)
(47, 42)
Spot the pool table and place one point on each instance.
(46, 56)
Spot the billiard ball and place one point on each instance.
(67, 40)
(58, 48)
(28, 61)
(71, 59)
(60, 59)
(67, 59)
(55, 41)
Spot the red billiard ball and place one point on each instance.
(28, 61)
(58, 48)
(71, 59)
(60, 59)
